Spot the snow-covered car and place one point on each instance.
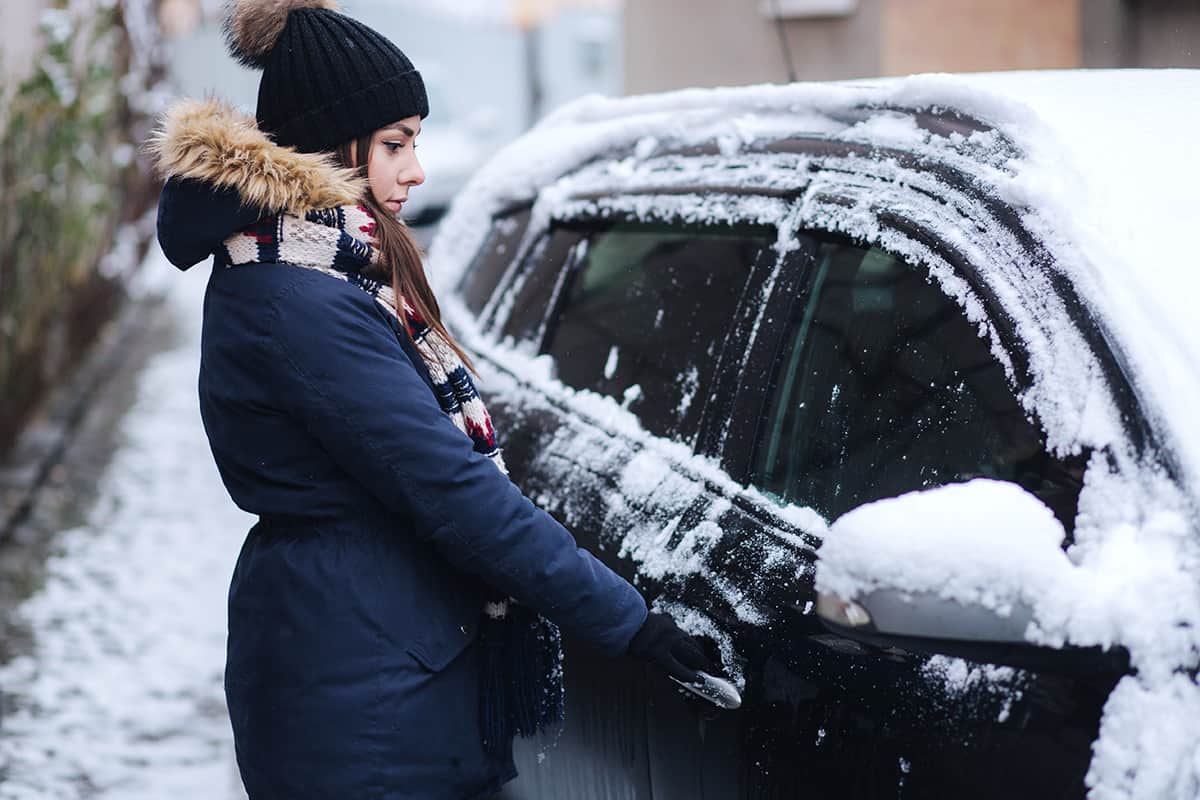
(888, 388)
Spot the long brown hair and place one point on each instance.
(401, 258)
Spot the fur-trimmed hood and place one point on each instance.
(208, 141)
(222, 174)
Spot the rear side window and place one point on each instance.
(643, 313)
(527, 301)
(882, 386)
(498, 251)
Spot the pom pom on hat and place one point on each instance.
(252, 27)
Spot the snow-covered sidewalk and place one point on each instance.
(120, 694)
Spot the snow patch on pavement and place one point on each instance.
(121, 696)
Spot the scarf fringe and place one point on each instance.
(514, 649)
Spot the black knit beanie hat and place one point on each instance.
(326, 78)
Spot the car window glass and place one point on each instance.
(644, 314)
(498, 251)
(528, 300)
(883, 386)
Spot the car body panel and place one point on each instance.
(823, 713)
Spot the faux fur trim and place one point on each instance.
(211, 142)
(253, 26)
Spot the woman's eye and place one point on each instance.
(393, 146)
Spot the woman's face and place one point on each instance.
(392, 166)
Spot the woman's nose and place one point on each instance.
(414, 175)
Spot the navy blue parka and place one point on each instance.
(352, 669)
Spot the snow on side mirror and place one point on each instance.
(957, 570)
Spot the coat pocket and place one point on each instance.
(455, 606)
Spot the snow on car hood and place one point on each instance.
(1102, 172)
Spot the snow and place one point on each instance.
(990, 543)
(610, 364)
(1112, 232)
(1121, 211)
(121, 693)
(1132, 582)
(1147, 745)
(984, 542)
(651, 471)
(690, 380)
(631, 395)
(1099, 166)
(958, 678)
(699, 624)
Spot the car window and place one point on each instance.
(644, 312)
(527, 301)
(498, 251)
(882, 386)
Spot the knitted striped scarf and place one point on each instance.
(521, 689)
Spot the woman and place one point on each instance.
(394, 614)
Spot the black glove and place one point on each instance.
(661, 641)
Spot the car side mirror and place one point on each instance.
(954, 570)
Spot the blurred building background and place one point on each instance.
(481, 60)
(491, 67)
(670, 44)
(81, 82)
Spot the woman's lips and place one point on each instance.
(393, 205)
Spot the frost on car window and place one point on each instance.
(610, 366)
(494, 258)
(689, 383)
(883, 386)
(524, 304)
(644, 311)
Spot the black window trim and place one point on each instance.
(730, 433)
(603, 215)
(518, 254)
(1108, 353)
(531, 235)
(750, 395)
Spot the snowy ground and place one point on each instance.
(113, 687)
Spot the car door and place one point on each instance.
(878, 384)
(592, 294)
(729, 551)
(633, 319)
(637, 319)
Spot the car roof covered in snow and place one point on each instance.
(1101, 164)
